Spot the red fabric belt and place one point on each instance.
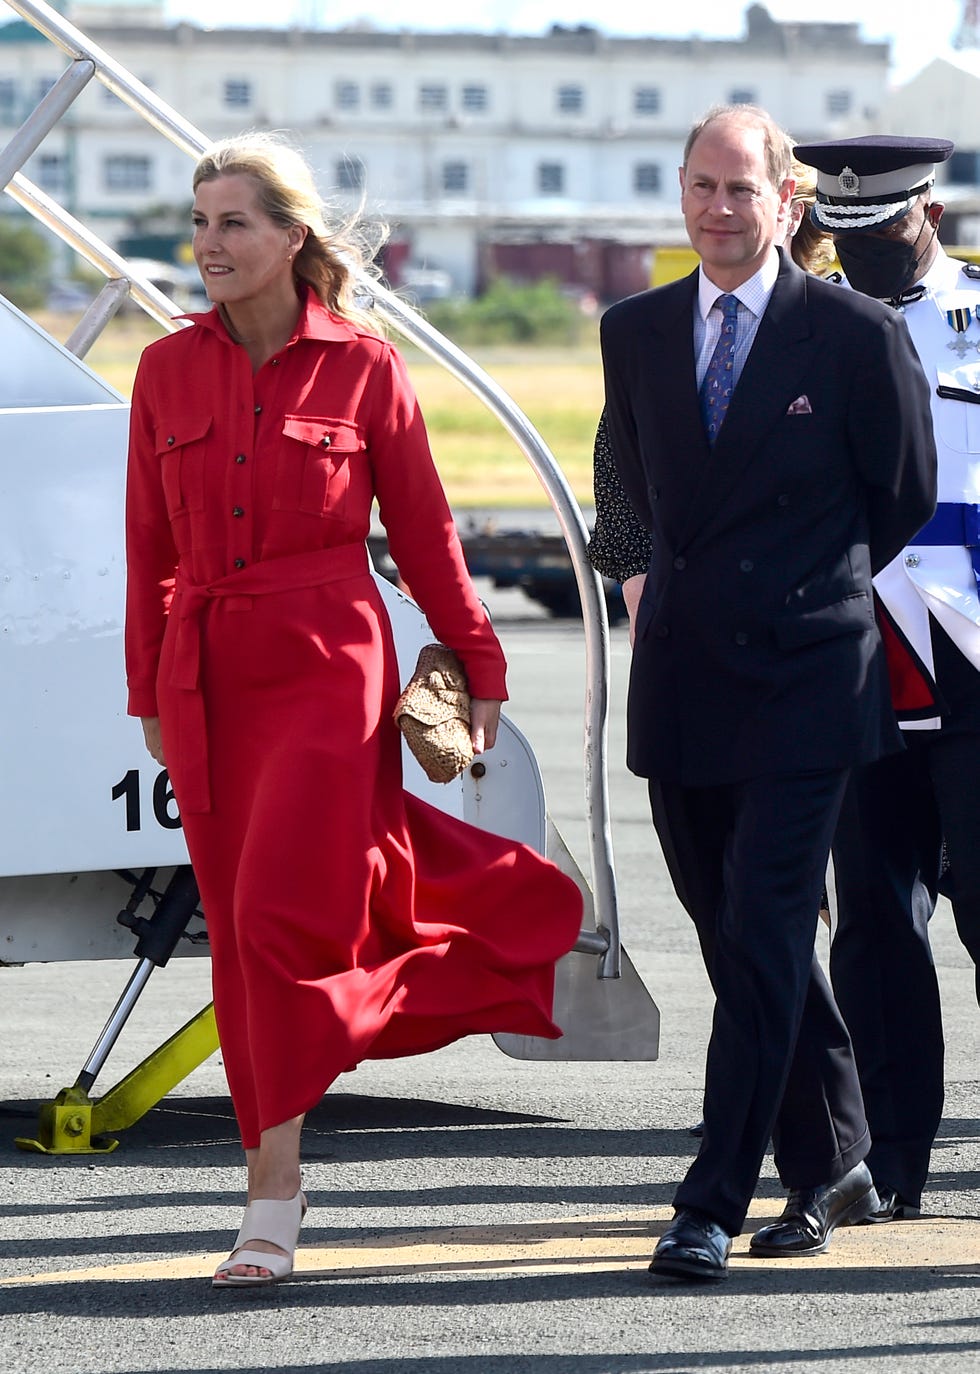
(190, 598)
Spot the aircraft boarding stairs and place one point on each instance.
(89, 823)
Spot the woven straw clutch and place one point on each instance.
(433, 713)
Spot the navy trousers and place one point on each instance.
(887, 861)
(748, 862)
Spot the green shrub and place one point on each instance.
(511, 312)
(25, 265)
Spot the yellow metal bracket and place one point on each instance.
(72, 1124)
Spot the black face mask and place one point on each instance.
(882, 268)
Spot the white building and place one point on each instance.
(484, 152)
(943, 101)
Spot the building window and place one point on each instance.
(741, 95)
(126, 172)
(382, 95)
(433, 98)
(646, 178)
(8, 99)
(350, 174)
(963, 168)
(52, 171)
(551, 178)
(571, 99)
(455, 177)
(347, 95)
(476, 98)
(238, 93)
(838, 102)
(646, 100)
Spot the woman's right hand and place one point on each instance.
(151, 733)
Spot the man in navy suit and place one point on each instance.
(771, 432)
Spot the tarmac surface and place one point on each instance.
(469, 1213)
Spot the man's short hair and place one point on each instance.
(778, 143)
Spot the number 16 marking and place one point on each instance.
(164, 803)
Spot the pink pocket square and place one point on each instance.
(801, 406)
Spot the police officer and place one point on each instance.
(908, 813)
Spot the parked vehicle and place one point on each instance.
(538, 563)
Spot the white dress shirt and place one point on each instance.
(753, 297)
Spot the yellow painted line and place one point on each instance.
(622, 1240)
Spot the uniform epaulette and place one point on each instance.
(972, 270)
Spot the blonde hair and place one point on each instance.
(811, 248)
(287, 194)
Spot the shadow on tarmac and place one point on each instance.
(350, 1127)
(353, 1127)
(122, 1298)
(666, 1362)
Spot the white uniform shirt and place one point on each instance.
(940, 580)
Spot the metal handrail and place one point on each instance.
(409, 323)
(89, 246)
(42, 119)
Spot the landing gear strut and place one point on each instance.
(75, 1124)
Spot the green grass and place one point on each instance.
(560, 391)
(480, 464)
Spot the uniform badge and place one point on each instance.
(849, 183)
(958, 318)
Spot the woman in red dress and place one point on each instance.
(347, 919)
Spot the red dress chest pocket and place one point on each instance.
(181, 448)
(313, 474)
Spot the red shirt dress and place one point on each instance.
(347, 919)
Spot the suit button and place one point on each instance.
(239, 562)
(654, 493)
(680, 563)
(746, 565)
(325, 441)
(171, 439)
(662, 632)
(782, 499)
(741, 638)
(237, 512)
(258, 410)
(239, 458)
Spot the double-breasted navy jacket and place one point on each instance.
(756, 646)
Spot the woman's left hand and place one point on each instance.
(484, 717)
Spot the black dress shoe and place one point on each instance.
(811, 1214)
(697, 1129)
(692, 1247)
(891, 1207)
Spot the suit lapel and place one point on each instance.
(670, 360)
(674, 410)
(773, 375)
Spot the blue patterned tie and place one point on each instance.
(719, 380)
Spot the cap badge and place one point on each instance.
(849, 183)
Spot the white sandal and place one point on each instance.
(268, 1219)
